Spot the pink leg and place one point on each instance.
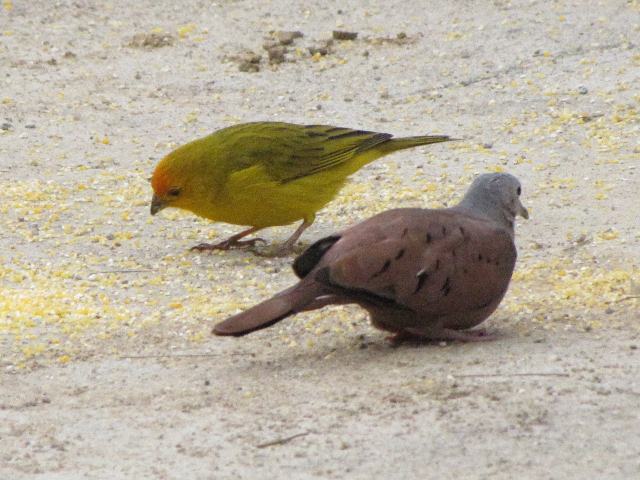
(232, 242)
(443, 334)
(291, 241)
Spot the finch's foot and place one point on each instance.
(281, 251)
(230, 244)
(287, 247)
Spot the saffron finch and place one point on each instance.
(265, 174)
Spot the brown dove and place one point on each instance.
(419, 273)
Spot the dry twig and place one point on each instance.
(282, 441)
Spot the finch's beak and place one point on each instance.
(523, 212)
(156, 204)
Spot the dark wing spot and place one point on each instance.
(312, 255)
(429, 237)
(480, 256)
(446, 287)
(461, 231)
(400, 254)
(438, 264)
(453, 252)
(404, 232)
(422, 277)
(444, 231)
(384, 268)
(359, 294)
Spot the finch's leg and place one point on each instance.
(291, 241)
(232, 242)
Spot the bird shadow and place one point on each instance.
(353, 352)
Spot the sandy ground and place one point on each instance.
(108, 368)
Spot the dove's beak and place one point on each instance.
(523, 212)
(156, 204)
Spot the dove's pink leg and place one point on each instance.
(444, 334)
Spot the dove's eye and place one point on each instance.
(519, 191)
(173, 192)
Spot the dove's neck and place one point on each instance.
(479, 204)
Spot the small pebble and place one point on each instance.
(287, 38)
(249, 62)
(342, 35)
(276, 54)
(319, 50)
(151, 40)
(582, 90)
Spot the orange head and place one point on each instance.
(184, 178)
(167, 187)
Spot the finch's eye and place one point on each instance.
(519, 191)
(173, 192)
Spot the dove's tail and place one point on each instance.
(289, 301)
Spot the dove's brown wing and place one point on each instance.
(435, 263)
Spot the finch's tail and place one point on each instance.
(270, 311)
(395, 144)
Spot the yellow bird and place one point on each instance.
(265, 174)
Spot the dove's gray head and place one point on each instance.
(497, 196)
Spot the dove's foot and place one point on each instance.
(476, 335)
(442, 334)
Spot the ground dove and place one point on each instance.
(419, 273)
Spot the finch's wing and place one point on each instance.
(287, 152)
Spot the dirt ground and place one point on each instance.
(108, 369)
